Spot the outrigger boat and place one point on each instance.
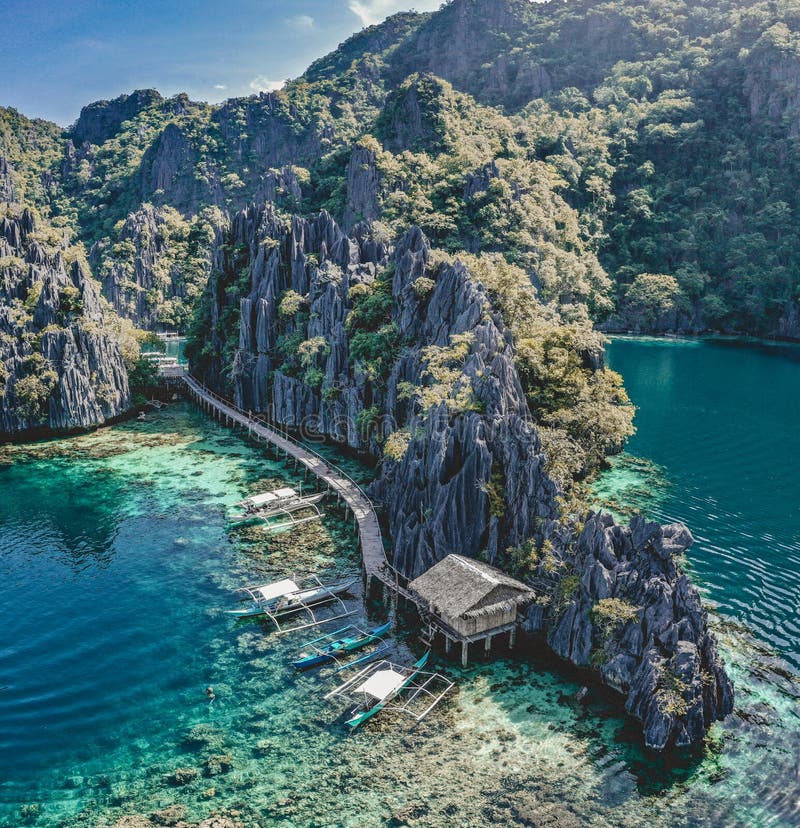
(267, 505)
(376, 686)
(339, 642)
(286, 597)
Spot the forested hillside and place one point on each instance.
(639, 158)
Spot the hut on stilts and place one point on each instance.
(467, 601)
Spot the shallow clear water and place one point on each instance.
(115, 566)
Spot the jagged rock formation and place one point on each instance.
(172, 165)
(624, 606)
(771, 81)
(363, 186)
(473, 482)
(410, 361)
(59, 369)
(129, 292)
(102, 120)
(158, 265)
(7, 189)
(314, 259)
(474, 56)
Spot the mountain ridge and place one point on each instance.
(632, 88)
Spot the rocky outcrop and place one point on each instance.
(102, 120)
(59, 369)
(158, 265)
(280, 187)
(267, 132)
(624, 607)
(340, 337)
(439, 495)
(127, 284)
(417, 115)
(772, 80)
(7, 190)
(172, 166)
(472, 479)
(473, 54)
(363, 188)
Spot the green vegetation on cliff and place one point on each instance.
(587, 142)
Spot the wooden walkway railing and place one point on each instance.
(336, 480)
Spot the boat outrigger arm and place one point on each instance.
(288, 512)
(388, 686)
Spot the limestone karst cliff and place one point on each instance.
(622, 605)
(405, 356)
(59, 367)
(157, 265)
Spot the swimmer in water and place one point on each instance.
(211, 694)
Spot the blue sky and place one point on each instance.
(57, 55)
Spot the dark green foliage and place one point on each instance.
(33, 390)
(142, 375)
(70, 303)
(374, 338)
(372, 304)
(375, 348)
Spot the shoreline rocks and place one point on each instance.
(635, 617)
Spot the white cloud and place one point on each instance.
(303, 22)
(220, 86)
(373, 11)
(262, 84)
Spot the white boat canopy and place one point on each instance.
(381, 684)
(269, 497)
(278, 589)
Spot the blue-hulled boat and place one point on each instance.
(346, 640)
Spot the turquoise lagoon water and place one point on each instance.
(720, 420)
(116, 566)
(172, 348)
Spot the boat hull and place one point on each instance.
(344, 645)
(287, 605)
(289, 505)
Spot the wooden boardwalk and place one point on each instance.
(337, 481)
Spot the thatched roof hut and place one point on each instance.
(470, 596)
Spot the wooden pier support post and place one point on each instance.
(447, 644)
(464, 653)
(488, 644)
(512, 638)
